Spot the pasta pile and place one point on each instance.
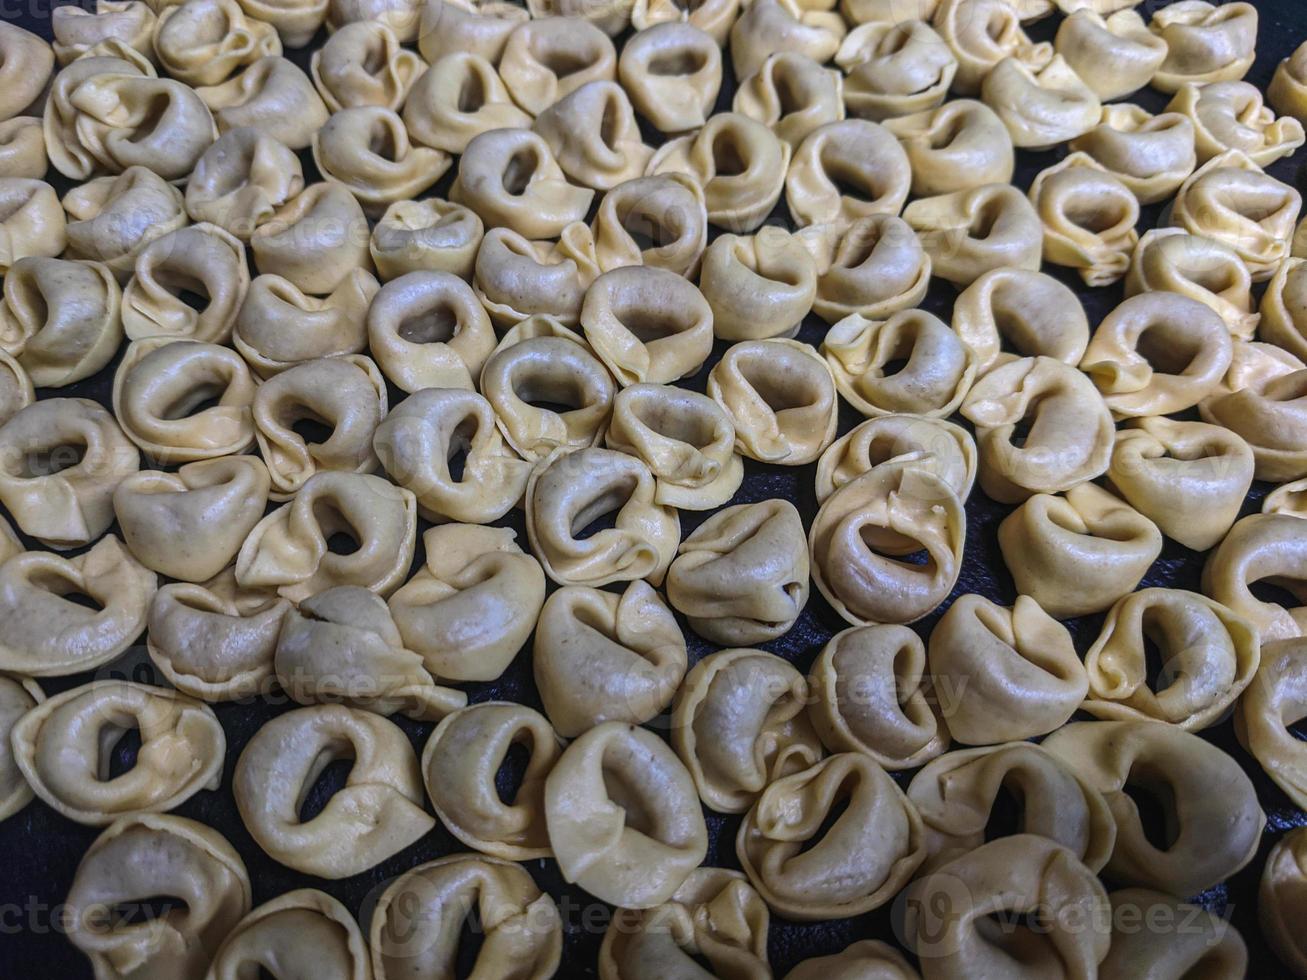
(336, 392)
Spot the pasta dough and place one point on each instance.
(303, 929)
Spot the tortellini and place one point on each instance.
(368, 149)
(1258, 548)
(894, 69)
(844, 171)
(636, 848)
(417, 920)
(22, 147)
(867, 957)
(280, 326)
(740, 724)
(517, 280)
(602, 657)
(958, 794)
(546, 59)
(316, 241)
(1041, 106)
(870, 851)
(430, 235)
(594, 136)
(1195, 939)
(1077, 553)
(198, 260)
(783, 25)
(1207, 654)
(864, 529)
(1263, 405)
(1151, 155)
(457, 99)
(672, 72)
(972, 231)
(204, 42)
(1171, 260)
(758, 286)
(459, 765)
(658, 221)
(61, 319)
(241, 180)
(377, 813)
(792, 94)
(1211, 834)
(958, 146)
(63, 747)
(189, 525)
(1231, 116)
(1012, 673)
(1287, 92)
(136, 861)
(781, 396)
(364, 64)
(32, 221)
(472, 607)
(1114, 55)
(1284, 308)
(981, 34)
(567, 492)
(305, 928)
(742, 575)
(937, 368)
(1274, 701)
(1089, 219)
(17, 697)
(26, 61)
(874, 267)
(1007, 314)
(1205, 42)
(942, 447)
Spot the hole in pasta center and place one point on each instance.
(435, 326)
(1164, 352)
(1006, 814)
(670, 64)
(640, 817)
(1278, 591)
(508, 778)
(120, 746)
(472, 93)
(471, 937)
(331, 780)
(563, 62)
(728, 160)
(649, 324)
(946, 135)
(196, 400)
(460, 441)
(519, 171)
(49, 460)
(1155, 802)
(551, 393)
(312, 429)
(648, 231)
(140, 911)
(837, 810)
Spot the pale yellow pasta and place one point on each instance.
(1287, 92)
(287, 551)
(868, 697)
(272, 95)
(1067, 428)
(417, 924)
(17, 697)
(715, 916)
(401, 16)
(792, 94)
(427, 330)
(1205, 42)
(1012, 673)
(518, 280)
(304, 929)
(60, 115)
(1077, 553)
(60, 461)
(376, 814)
(740, 724)
(758, 286)
(969, 232)
(426, 236)
(844, 171)
(64, 744)
(568, 491)
(77, 30)
(541, 361)
(1258, 548)
(17, 392)
(1007, 314)
(26, 62)
(1189, 478)
(204, 42)
(364, 64)
(623, 818)
(768, 26)
(341, 646)
(1274, 702)
(544, 60)
(1171, 260)
(1151, 155)
(1114, 54)
(1284, 308)
(138, 860)
(866, 957)
(511, 178)
(593, 134)
(241, 180)
(894, 69)
(112, 218)
(864, 528)
(296, 21)
(475, 26)
(738, 161)
(1158, 354)
(1089, 218)
(202, 260)
(611, 18)
(189, 525)
(279, 326)
(943, 448)
(1207, 656)
(957, 146)
(1184, 939)
(1212, 834)
(647, 325)
(871, 850)
(599, 656)
(1279, 897)
(672, 72)
(32, 221)
(316, 241)
(949, 913)
(713, 17)
(874, 267)
(215, 641)
(368, 149)
(22, 148)
(182, 401)
(1286, 499)
(937, 367)
(686, 439)
(1231, 200)
(417, 441)
(61, 320)
(459, 765)
(1232, 116)
(472, 606)
(458, 98)
(981, 33)
(958, 794)
(1041, 106)
(658, 221)
(1265, 407)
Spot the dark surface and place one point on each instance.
(39, 850)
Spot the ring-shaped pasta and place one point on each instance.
(426, 236)
(1287, 92)
(110, 219)
(204, 42)
(1232, 116)
(982, 33)
(658, 221)
(1115, 54)
(516, 279)
(1171, 260)
(317, 240)
(363, 63)
(894, 68)
(1042, 106)
(368, 149)
(302, 929)
(1273, 703)
(874, 267)
(758, 286)
(1008, 314)
(594, 136)
(1258, 548)
(1193, 939)
(280, 326)
(942, 447)
(792, 94)
(844, 171)
(764, 28)
(957, 146)
(457, 99)
(672, 72)
(198, 259)
(536, 48)
(32, 221)
(1151, 155)
(241, 180)
(1089, 219)
(1205, 42)
(970, 232)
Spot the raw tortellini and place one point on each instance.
(1275, 700)
(305, 927)
(1205, 42)
(1089, 219)
(1151, 155)
(1279, 902)
(1011, 313)
(758, 286)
